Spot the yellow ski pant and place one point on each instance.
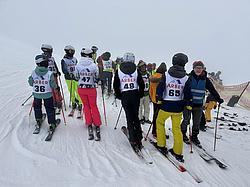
(72, 87)
(208, 107)
(176, 129)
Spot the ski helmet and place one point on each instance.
(94, 48)
(179, 59)
(85, 52)
(46, 48)
(42, 60)
(69, 50)
(106, 56)
(129, 57)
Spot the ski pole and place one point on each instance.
(114, 102)
(27, 99)
(148, 132)
(104, 109)
(118, 118)
(190, 132)
(70, 92)
(216, 125)
(64, 117)
(31, 108)
(62, 92)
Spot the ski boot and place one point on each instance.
(177, 157)
(52, 127)
(195, 140)
(185, 139)
(91, 133)
(97, 133)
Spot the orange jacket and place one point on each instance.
(154, 81)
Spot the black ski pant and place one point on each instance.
(196, 113)
(107, 80)
(130, 102)
(49, 107)
(156, 108)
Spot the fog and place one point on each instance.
(216, 32)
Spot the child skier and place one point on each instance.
(47, 51)
(145, 100)
(172, 93)
(129, 87)
(43, 82)
(68, 64)
(87, 74)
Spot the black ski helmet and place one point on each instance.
(179, 59)
(94, 48)
(42, 60)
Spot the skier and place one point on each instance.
(154, 81)
(129, 88)
(43, 82)
(210, 104)
(94, 49)
(145, 100)
(150, 68)
(173, 94)
(153, 68)
(87, 74)
(107, 75)
(47, 51)
(198, 83)
(68, 64)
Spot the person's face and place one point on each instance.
(198, 70)
(143, 68)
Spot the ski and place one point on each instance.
(142, 154)
(180, 167)
(208, 157)
(51, 132)
(38, 127)
(71, 114)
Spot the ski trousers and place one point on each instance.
(208, 107)
(144, 107)
(91, 112)
(72, 87)
(49, 107)
(176, 129)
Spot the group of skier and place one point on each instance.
(173, 92)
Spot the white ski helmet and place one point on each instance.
(129, 57)
(69, 49)
(47, 48)
(85, 52)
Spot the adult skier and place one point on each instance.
(198, 82)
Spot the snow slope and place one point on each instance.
(71, 160)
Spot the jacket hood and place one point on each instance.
(177, 71)
(85, 61)
(156, 78)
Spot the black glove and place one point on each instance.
(58, 73)
(220, 101)
(72, 76)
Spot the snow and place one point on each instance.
(71, 160)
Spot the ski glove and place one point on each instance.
(220, 101)
(188, 107)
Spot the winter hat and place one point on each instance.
(162, 68)
(179, 59)
(141, 63)
(129, 57)
(198, 64)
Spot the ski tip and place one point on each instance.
(182, 169)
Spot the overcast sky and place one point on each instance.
(214, 31)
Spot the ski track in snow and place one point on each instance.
(72, 160)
